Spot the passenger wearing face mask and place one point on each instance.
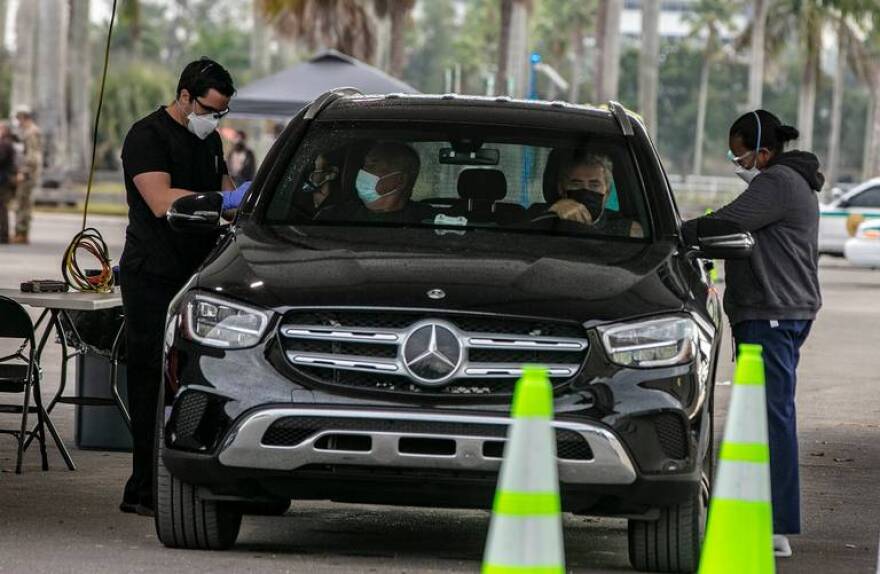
(772, 298)
(384, 186)
(173, 152)
(584, 188)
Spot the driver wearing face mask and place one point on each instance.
(173, 152)
(384, 185)
(584, 187)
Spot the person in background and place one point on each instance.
(384, 186)
(241, 161)
(173, 152)
(772, 298)
(31, 172)
(8, 178)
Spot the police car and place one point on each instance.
(863, 250)
(839, 219)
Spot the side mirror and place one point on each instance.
(196, 213)
(734, 246)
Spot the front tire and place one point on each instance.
(672, 542)
(183, 519)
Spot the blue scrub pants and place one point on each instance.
(782, 342)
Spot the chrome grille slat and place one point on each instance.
(490, 370)
(351, 362)
(316, 333)
(340, 346)
(489, 341)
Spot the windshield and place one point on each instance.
(456, 178)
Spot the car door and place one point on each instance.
(838, 220)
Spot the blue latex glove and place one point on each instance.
(232, 199)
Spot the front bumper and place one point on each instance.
(473, 448)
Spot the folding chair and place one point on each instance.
(20, 373)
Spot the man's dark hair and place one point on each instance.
(774, 134)
(202, 75)
(402, 157)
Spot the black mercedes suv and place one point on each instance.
(357, 333)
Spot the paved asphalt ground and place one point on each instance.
(63, 521)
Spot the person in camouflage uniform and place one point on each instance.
(8, 178)
(31, 170)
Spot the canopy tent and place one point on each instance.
(283, 94)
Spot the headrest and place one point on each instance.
(482, 184)
(551, 176)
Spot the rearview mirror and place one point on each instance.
(196, 213)
(483, 156)
(734, 246)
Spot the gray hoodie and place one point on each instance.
(780, 208)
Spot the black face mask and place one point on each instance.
(592, 200)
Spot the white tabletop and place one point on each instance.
(70, 300)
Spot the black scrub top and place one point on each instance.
(159, 143)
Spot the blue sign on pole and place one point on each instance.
(528, 153)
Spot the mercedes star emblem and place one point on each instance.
(436, 294)
(432, 353)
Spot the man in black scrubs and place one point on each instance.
(171, 153)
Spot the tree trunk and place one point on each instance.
(649, 64)
(807, 95)
(756, 70)
(702, 103)
(4, 7)
(397, 58)
(607, 73)
(518, 49)
(79, 80)
(832, 170)
(51, 84)
(23, 62)
(260, 57)
(868, 143)
(577, 64)
(874, 162)
(503, 47)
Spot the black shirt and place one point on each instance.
(159, 143)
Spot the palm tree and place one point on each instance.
(23, 63)
(831, 170)
(79, 76)
(399, 11)
(649, 64)
(563, 25)
(51, 80)
(708, 19)
(607, 68)
(864, 46)
(259, 43)
(516, 54)
(758, 28)
(503, 72)
(345, 25)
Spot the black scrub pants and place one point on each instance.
(145, 299)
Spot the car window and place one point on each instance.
(868, 198)
(461, 177)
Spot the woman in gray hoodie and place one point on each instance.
(772, 298)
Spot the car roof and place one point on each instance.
(861, 187)
(453, 108)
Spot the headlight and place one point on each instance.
(651, 343)
(219, 323)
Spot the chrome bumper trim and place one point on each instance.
(243, 448)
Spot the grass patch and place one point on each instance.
(94, 209)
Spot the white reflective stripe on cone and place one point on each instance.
(746, 481)
(525, 541)
(746, 418)
(531, 466)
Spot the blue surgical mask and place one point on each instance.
(366, 184)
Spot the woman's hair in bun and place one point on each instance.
(774, 134)
(785, 134)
